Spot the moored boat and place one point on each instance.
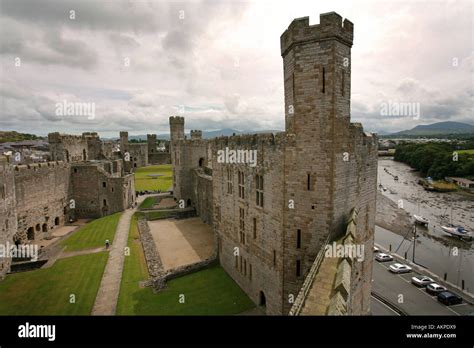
(420, 219)
(457, 231)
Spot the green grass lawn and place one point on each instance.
(148, 202)
(47, 291)
(93, 234)
(207, 292)
(470, 152)
(144, 182)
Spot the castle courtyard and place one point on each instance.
(182, 242)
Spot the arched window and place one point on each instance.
(45, 227)
(56, 221)
(38, 227)
(201, 162)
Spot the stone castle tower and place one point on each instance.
(177, 128)
(281, 213)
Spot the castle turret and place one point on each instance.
(176, 128)
(316, 61)
(151, 140)
(196, 134)
(123, 142)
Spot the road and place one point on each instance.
(398, 290)
(379, 308)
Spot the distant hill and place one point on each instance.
(15, 136)
(437, 129)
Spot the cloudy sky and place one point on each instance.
(218, 63)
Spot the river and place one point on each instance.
(438, 252)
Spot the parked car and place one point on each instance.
(421, 281)
(448, 298)
(382, 257)
(435, 289)
(376, 250)
(399, 268)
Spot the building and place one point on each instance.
(274, 213)
(461, 182)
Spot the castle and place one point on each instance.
(86, 177)
(272, 219)
(272, 214)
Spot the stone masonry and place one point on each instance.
(272, 219)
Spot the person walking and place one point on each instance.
(107, 244)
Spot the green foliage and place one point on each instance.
(437, 160)
(15, 136)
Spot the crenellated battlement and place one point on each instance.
(57, 137)
(270, 139)
(366, 138)
(90, 135)
(330, 26)
(176, 120)
(26, 168)
(196, 134)
(4, 164)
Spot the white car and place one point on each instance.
(435, 289)
(376, 250)
(399, 268)
(421, 281)
(382, 257)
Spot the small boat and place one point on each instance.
(420, 219)
(395, 178)
(457, 231)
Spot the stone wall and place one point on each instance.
(203, 196)
(334, 290)
(8, 216)
(42, 194)
(187, 155)
(74, 148)
(138, 155)
(100, 189)
(158, 158)
(313, 174)
(243, 225)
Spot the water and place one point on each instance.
(435, 250)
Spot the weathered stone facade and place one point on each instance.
(101, 188)
(42, 193)
(72, 148)
(273, 218)
(8, 216)
(37, 198)
(89, 147)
